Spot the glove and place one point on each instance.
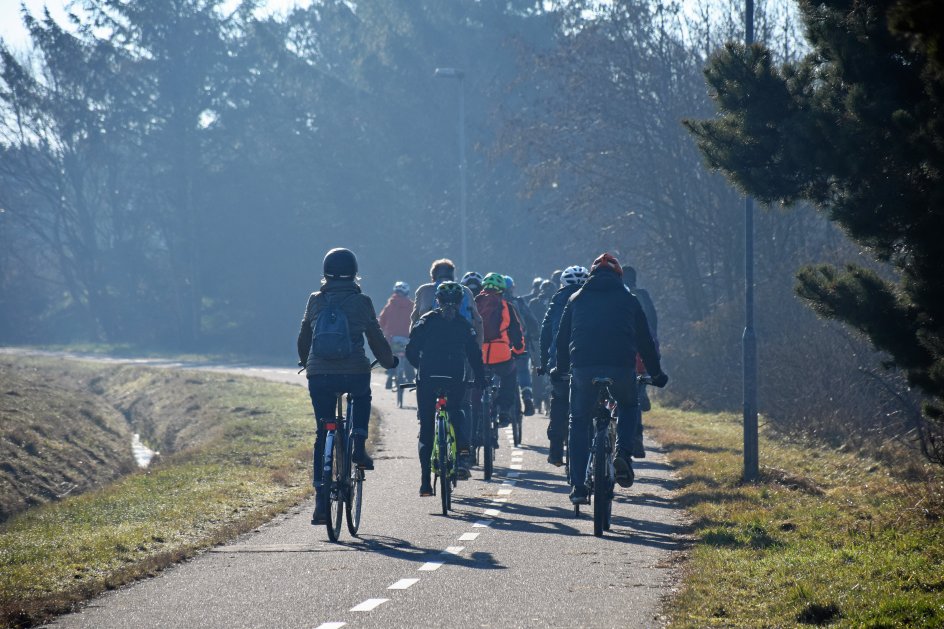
(660, 380)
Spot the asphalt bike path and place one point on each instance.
(511, 554)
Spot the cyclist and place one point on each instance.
(530, 330)
(502, 333)
(395, 322)
(540, 304)
(535, 289)
(348, 369)
(440, 344)
(601, 330)
(444, 270)
(473, 281)
(572, 278)
(629, 279)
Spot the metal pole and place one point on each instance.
(463, 259)
(749, 340)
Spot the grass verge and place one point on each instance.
(826, 537)
(240, 454)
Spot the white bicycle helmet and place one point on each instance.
(574, 275)
(402, 287)
(471, 277)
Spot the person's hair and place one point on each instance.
(436, 270)
(629, 276)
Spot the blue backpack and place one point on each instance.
(331, 334)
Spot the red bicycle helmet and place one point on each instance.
(607, 261)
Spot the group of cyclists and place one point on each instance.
(544, 349)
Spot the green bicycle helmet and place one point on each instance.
(494, 281)
(449, 293)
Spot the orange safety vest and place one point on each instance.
(498, 349)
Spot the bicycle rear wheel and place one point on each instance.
(333, 443)
(601, 490)
(516, 427)
(488, 458)
(352, 506)
(445, 486)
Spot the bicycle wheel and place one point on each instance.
(488, 455)
(516, 427)
(333, 441)
(352, 506)
(601, 491)
(443, 464)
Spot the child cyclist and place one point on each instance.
(441, 342)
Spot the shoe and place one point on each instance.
(639, 452)
(389, 384)
(528, 407)
(503, 421)
(623, 466)
(556, 455)
(320, 516)
(360, 456)
(426, 486)
(579, 495)
(463, 467)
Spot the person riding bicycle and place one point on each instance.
(539, 305)
(530, 329)
(601, 330)
(572, 279)
(443, 270)
(395, 322)
(502, 332)
(535, 290)
(336, 363)
(440, 344)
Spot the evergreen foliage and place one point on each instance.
(856, 128)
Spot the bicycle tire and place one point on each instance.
(601, 492)
(336, 488)
(399, 395)
(352, 506)
(443, 464)
(516, 428)
(488, 460)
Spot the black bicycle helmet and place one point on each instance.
(449, 293)
(340, 264)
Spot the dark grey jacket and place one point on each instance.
(603, 324)
(361, 320)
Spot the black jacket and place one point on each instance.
(603, 324)
(441, 347)
(552, 322)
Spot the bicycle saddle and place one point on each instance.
(604, 381)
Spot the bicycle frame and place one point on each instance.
(487, 422)
(600, 476)
(443, 459)
(337, 483)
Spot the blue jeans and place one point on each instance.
(583, 398)
(523, 367)
(324, 390)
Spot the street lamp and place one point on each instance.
(455, 73)
(748, 340)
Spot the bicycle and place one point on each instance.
(343, 481)
(401, 374)
(443, 460)
(600, 478)
(485, 429)
(516, 418)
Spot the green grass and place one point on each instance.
(240, 456)
(826, 537)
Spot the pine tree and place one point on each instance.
(855, 128)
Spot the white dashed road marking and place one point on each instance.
(369, 604)
(403, 584)
(482, 524)
(429, 566)
(331, 625)
(453, 550)
(468, 537)
(491, 512)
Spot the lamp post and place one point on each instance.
(749, 340)
(455, 73)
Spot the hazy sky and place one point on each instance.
(13, 32)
